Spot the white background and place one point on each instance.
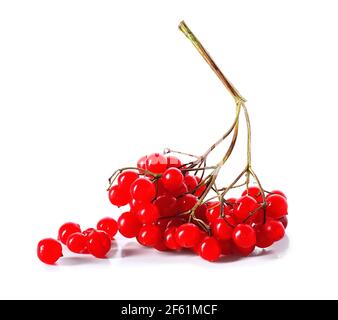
(87, 87)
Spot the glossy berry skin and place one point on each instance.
(210, 249)
(109, 226)
(148, 213)
(274, 230)
(77, 243)
(49, 251)
(245, 205)
(156, 163)
(141, 164)
(170, 239)
(66, 230)
(129, 225)
(186, 203)
(143, 190)
(167, 205)
(244, 236)
(98, 244)
(119, 197)
(277, 206)
(284, 220)
(172, 179)
(277, 192)
(254, 192)
(221, 229)
(188, 235)
(126, 178)
(191, 182)
(173, 162)
(262, 239)
(149, 235)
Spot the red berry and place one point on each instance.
(244, 251)
(244, 236)
(170, 239)
(156, 163)
(254, 192)
(149, 235)
(210, 249)
(277, 206)
(129, 225)
(77, 243)
(98, 244)
(201, 212)
(126, 178)
(284, 221)
(49, 251)
(66, 230)
(148, 213)
(221, 229)
(262, 239)
(246, 205)
(226, 247)
(176, 222)
(172, 179)
(181, 190)
(167, 205)
(188, 235)
(274, 230)
(190, 182)
(141, 164)
(186, 203)
(108, 225)
(173, 162)
(118, 197)
(277, 192)
(143, 190)
(214, 211)
(160, 246)
(88, 231)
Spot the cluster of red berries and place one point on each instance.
(165, 211)
(96, 242)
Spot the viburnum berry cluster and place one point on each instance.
(178, 205)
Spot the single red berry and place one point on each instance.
(98, 244)
(254, 192)
(221, 229)
(143, 190)
(141, 164)
(170, 239)
(201, 212)
(172, 179)
(243, 251)
(149, 235)
(160, 189)
(188, 235)
(226, 247)
(66, 230)
(167, 205)
(274, 230)
(156, 163)
(277, 206)
(262, 239)
(148, 213)
(277, 192)
(77, 242)
(181, 190)
(49, 251)
(126, 178)
(284, 220)
(129, 225)
(186, 203)
(244, 236)
(246, 205)
(119, 197)
(108, 225)
(210, 249)
(190, 182)
(173, 162)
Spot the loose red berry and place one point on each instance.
(66, 230)
(143, 190)
(170, 239)
(210, 249)
(129, 225)
(119, 197)
(156, 163)
(188, 235)
(126, 178)
(277, 206)
(149, 235)
(254, 192)
(221, 229)
(98, 244)
(77, 243)
(244, 236)
(49, 251)
(190, 182)
(246, 205)
(173, 162)
(274, 230)
(108, 225)
(148, 213)
(186, 203)
(167, 205)
(172, 179)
